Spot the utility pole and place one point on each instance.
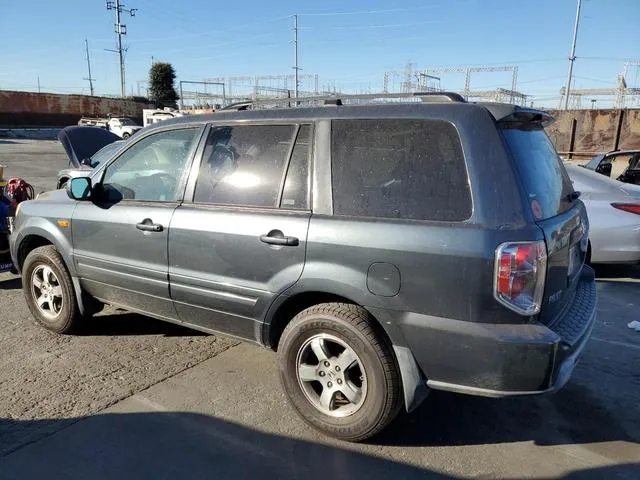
(89, 78)
(296, 69)
(38, 83)
(121, 29)
(572, 58)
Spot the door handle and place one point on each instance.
(147, 225)
(275, 237)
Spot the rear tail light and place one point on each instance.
(520, 272)
(628, 207)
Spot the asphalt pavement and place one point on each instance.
(132, 397)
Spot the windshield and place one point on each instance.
(545, 179)
(103, 154)
(127, 121)
(594, 162)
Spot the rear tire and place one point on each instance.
(49, 291)
(352, 393)
(126, 135)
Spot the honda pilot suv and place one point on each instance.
(382, 250)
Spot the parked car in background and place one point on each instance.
(622, 165)
(382, 250)
(86, 148)
(121, 126)
(155, 115)
(614, 216)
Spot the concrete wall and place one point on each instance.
(27, 109)
(595, 130)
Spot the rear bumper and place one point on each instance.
(498, 360)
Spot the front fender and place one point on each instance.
(48, 229)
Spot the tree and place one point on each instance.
(138, 99)
(162, 89)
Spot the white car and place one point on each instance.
(613, 208)
(123, 127)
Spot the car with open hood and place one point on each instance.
(87, 147)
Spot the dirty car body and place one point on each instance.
(476, 281)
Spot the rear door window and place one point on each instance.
(399, 168)
(244, 164)
(295, 195)
(545, 179)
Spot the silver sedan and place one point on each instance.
(613, 208)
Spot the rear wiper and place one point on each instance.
(573, 196)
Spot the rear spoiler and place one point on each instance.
(504, 113)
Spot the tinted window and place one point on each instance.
(296, 186)
(244, 165)
(545, 179)
(152, 169)
(412, 169)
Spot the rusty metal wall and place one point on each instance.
(595, 131)
(27, 109)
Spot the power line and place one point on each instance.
(121, 29)
(365, 27)
(244, 40)
(359, 12)
(213, 32)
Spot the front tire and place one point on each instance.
(49, 291)
(340, 375)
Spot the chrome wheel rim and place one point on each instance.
(47, 292)
(331, 375)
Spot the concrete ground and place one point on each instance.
(136, 398)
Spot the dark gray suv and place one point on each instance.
(382, 250)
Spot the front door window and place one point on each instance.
(152, 170)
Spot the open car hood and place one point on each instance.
(81, 142)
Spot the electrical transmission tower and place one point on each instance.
(121, 29)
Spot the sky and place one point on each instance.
(348, 43)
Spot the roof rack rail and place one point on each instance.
(439, 96)
(238, 106)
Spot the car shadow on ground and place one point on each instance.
(125, 323)
(616, 272)
(572, 415)
(120, 322)
(187, 445)
(12, 283)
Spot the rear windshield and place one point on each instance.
(544, 178)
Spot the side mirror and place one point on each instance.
(79, 188)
